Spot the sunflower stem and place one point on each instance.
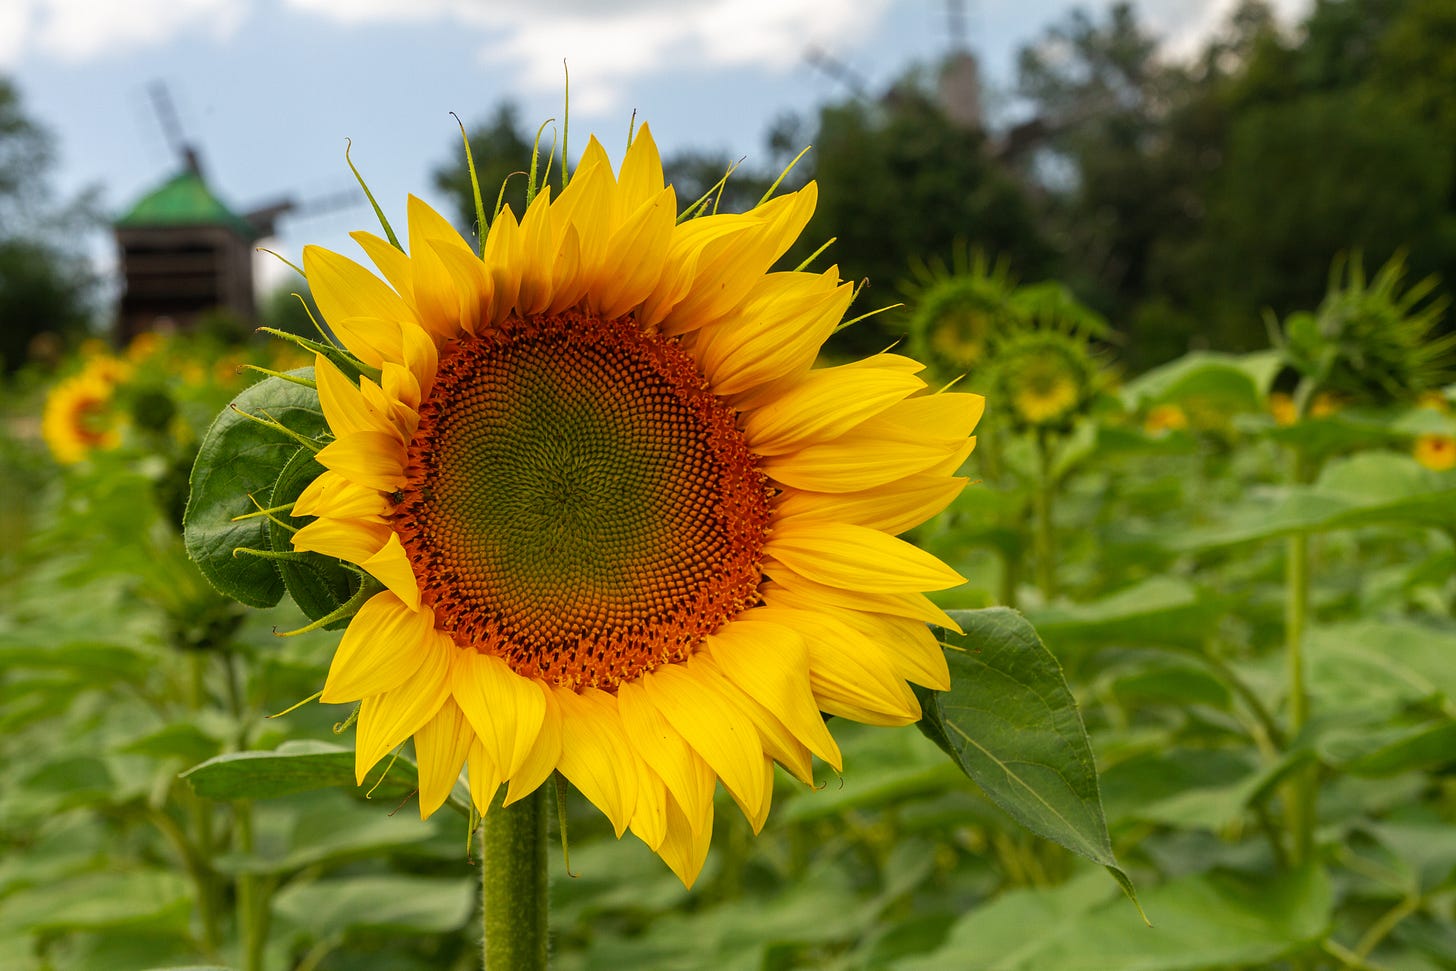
(1299, 793)
(513, 883)
(1044, 539)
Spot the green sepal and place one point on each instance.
(351, 366)
(319, 584)
(241, 458)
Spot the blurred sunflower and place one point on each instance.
(1436, 452)
(79, 417)
(626, 532)
(958, 309)
(1164, 418)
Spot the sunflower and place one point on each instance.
(625, 530)
(1436, 452)
(79, 418)
(1164, 418)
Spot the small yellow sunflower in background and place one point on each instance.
(1435, 452)
(626, 531)
(79, 416)
(1281, 406)
(1165, 418)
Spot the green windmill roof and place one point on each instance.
(185, 200)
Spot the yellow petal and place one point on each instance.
(635, 258)
(542, 760)
(344, 405)
(345, 290)
(851, 677)
(387, 719)
(857, 461)
(891, 508)
(472, 282)
(779, 744)
(436, 298)
(770, 664)
(856, 558)
(684, 773)
(649, 816)
(384, 645)
(389, 259)
(484, 778)
(353, 540)
(441, 745)
(505, 709)
(641, 175)
(595, 756)
(371, 459)
(816, 596)
(537, 256)
(332, 495)
(391, 567)
(685, 844)
(825, 405)
(778, 332)
(726, 739)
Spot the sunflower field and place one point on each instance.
(436, 630)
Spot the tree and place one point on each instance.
(46, 284)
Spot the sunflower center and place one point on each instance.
(578, 503)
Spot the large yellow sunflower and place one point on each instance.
(626, 530)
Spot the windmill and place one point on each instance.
(184, 254)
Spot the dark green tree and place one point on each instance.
(46, 283)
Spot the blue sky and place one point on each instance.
(270, 89)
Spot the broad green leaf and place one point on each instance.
(300, 766)
(1199, 923)
(1385, 750)
(1159, 610)
(326, 830)
(394, 904)
(1011, 724)
(240, 458)
(318, 584)
(1368, 664)
(1221, 380)
(99, 900)
(293, 767)
(1371, 488)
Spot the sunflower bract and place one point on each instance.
(626, 530)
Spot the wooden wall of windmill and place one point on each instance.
(185, 255)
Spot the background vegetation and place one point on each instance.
(1216, 474)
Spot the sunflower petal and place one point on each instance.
(384, 646)
(441, 745)
(856, 558)
(595, 756)
(387, 719)
(725, 738)
(505, 709)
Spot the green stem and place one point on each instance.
(1045, 536)
(252, 905)
(513, 883)
(1299, 813)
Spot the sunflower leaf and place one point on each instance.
(240, 458)
(320, 585)
(1010, 724)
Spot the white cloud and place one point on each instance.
(1186, 25)
(79, 30)
(610, 44)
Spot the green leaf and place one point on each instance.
(1200, 923)
(293, 767)
(241, 458)
(395, 904)
(1225, 380)
(320, 585)
(99, 900)
(1010, 723)
(1159, 610)
(300, 766)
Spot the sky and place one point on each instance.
(270, 90)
